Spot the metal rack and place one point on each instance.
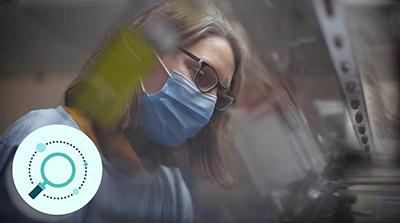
(331, 18)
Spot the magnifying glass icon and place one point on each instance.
(41, 186)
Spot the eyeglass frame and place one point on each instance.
(202, 64)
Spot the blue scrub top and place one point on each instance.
(120, 198)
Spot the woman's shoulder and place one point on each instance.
(14, 135)
(33, 120)
(173, 181)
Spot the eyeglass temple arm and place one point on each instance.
(189, 54)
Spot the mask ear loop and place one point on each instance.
(142, 86)
(163, 66)
(162, 63)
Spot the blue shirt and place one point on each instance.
(120, 198)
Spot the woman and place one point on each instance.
(182, 104)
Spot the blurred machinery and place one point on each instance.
(317, 135)
(325, 145)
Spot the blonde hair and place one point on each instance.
(209, 151)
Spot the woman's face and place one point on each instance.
(214, 50)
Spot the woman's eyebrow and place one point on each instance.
(210, 64)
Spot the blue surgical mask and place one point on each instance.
(175, 113)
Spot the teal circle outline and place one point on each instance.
(42, 170)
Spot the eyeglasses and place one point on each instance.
(206, 79)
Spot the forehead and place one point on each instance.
(217, 52)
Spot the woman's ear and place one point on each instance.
(155, 80)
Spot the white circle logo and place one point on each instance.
(57, 169)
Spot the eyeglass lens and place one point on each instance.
(206, 79)
(225, 98)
